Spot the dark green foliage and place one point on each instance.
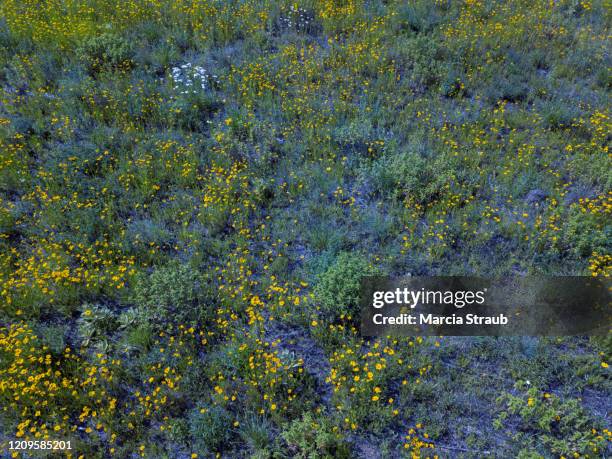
(202, 240)
(168, 293)
(96, 324)
(419, 17)
(314, 438)
(105, 52)
(337, 291)
(423, 63)
(140, 337)
(209, 428)
(401, 174)
(257, 433)
(559, 423)
(54, 336)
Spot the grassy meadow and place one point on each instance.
(190, 191)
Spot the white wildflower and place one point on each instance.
(188, 78)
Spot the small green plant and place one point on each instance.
(256, 432)
(95, 325)
(139, 338)
(400, 174)
(169, 291)
(418, 17)
(424, 61)
(54, 336)
(315, 438)
(337, 291)
(105, 52)
(561, 426)
(210, 428)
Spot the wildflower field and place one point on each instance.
(190, 191)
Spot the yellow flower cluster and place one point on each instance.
(600, 265)
(55, 271)
(416, 441)
(48, 393)
(360, 378)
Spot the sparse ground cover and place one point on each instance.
(190, 191)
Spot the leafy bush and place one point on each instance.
(419, 17)
(105, 52)
(169, 291)
(400, 173)
(338, 288)
(418, 173)
(312, 438)
(562, 426)
(423, 62)
(580, 229)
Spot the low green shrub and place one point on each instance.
(54, 336)
(338, 288)
(169, 292)
(256, 432)
(423, 62)
(95, 325)
(561, 426)
(105, 52)
(315, 438)
(210, 428)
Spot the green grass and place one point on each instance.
(189, 192)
